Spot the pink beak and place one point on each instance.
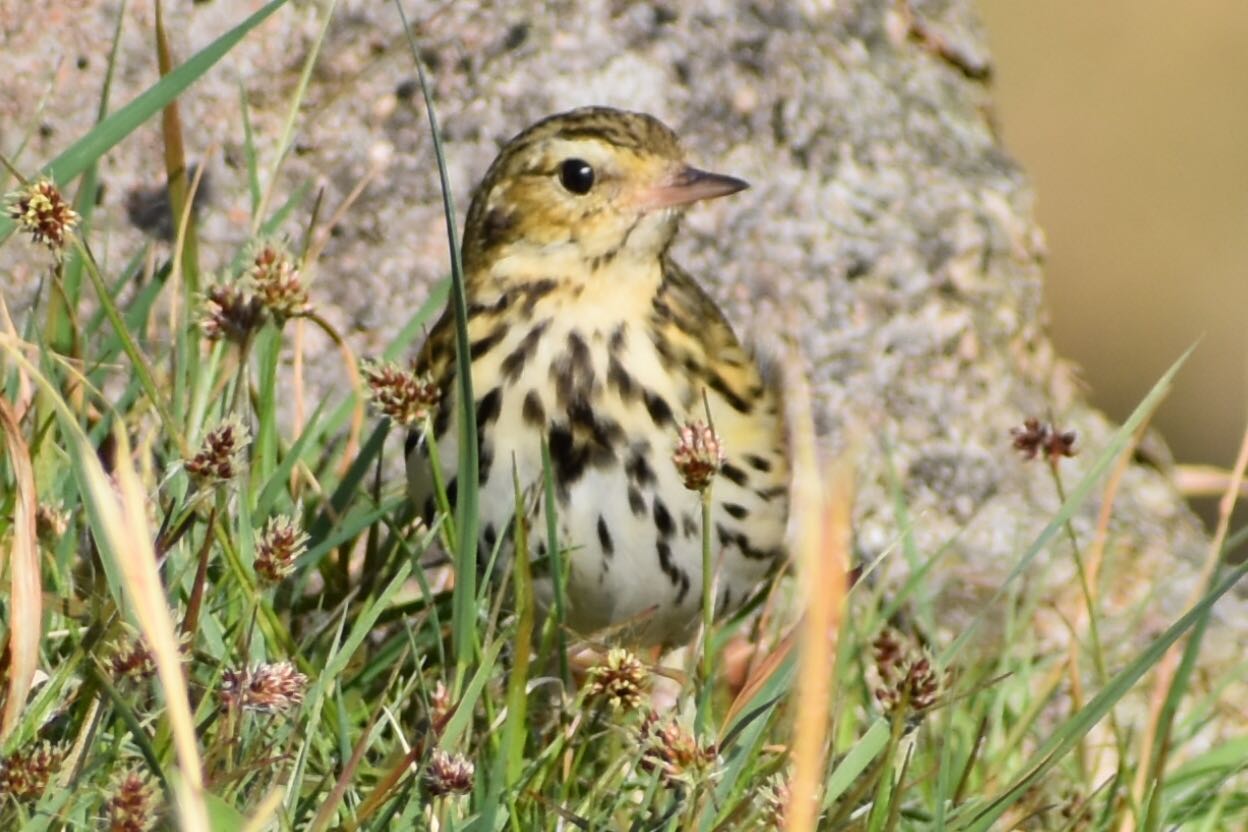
(692, 185)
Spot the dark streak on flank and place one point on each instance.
(638, 468)
(758, 463)
(660, 411)
(635, 501)
(734, 474)
(514, 363)
(663, 522)
(739, 512)
(604, 537)
(487, 342)
(673, 572)
(720, 386)
(532, 411)
(619, 378)
(567, 457)
(488, 407)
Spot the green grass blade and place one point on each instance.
(464, 624)
(1068, 733)
(1078, 495)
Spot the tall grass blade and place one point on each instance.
(464, 622)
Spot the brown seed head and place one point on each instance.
(268, 688)
(671, 750)
(51, 523)
(278, 547)
(220, 458)
(131, 804)
(1040, 438)
(903, 675)
(230, 312)
(277, 283)
(448, 774)
(42, 212)
(25, 773)
(131, 660)
(699, 455)
(621, 680)
(404, 395)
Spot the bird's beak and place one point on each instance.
(691, 185)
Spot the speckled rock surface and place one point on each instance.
(885, 217)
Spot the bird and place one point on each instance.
(585, 334)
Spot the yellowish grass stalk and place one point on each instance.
(821, 510)
(122, 523)
(1169, 663)
(25, 584)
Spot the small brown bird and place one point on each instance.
(584, 332)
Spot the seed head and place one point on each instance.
(131, 660)
(448, 774)
(671, 750)
(277, 283)
(699, 455)
(221, 457)
(269, 688)
(1040, 438)
(51, 523)
(131, 804)
(776, 796)
(230, 312)
(903, 674)
(42, 212)
(404, 395)
(278, 547)
(25, 773)
(441, 706)
(621, 680)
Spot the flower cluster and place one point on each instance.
(666, 747)
(25, 773)
(699, 455)
(448, 773)
(131, 804)
(620, 680)
(269, 688)
(230, 312)
(131, 660)
(271, 287)
(406, 396)
(278, 547)
(220, 458)
(1036, 438)
(903, 676)
(277, 283)
(42, 212)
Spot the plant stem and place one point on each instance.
(708, 613)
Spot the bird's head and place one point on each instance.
(582, 190)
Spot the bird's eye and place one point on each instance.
(576, 175)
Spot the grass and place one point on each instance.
(258, 637)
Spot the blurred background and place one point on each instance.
(1131, 118)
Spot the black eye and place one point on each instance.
(576, 175)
